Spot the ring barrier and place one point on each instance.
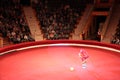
(79, 43)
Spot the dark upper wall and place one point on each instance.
(104, 3)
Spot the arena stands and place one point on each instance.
(57, 22)
(116, 37)
(12, 22)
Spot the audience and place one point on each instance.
(12, 22)
(116, 37)
(57, 22)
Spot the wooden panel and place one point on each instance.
(1, 42)
(100, 13)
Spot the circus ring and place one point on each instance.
(58, 60)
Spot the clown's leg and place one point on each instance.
(84, 64)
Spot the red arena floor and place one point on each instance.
(60, 62)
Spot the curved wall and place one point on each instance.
(85, 43)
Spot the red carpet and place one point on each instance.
(53, 63)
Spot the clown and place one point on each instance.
(83, 55)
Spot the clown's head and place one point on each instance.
(81, 50)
